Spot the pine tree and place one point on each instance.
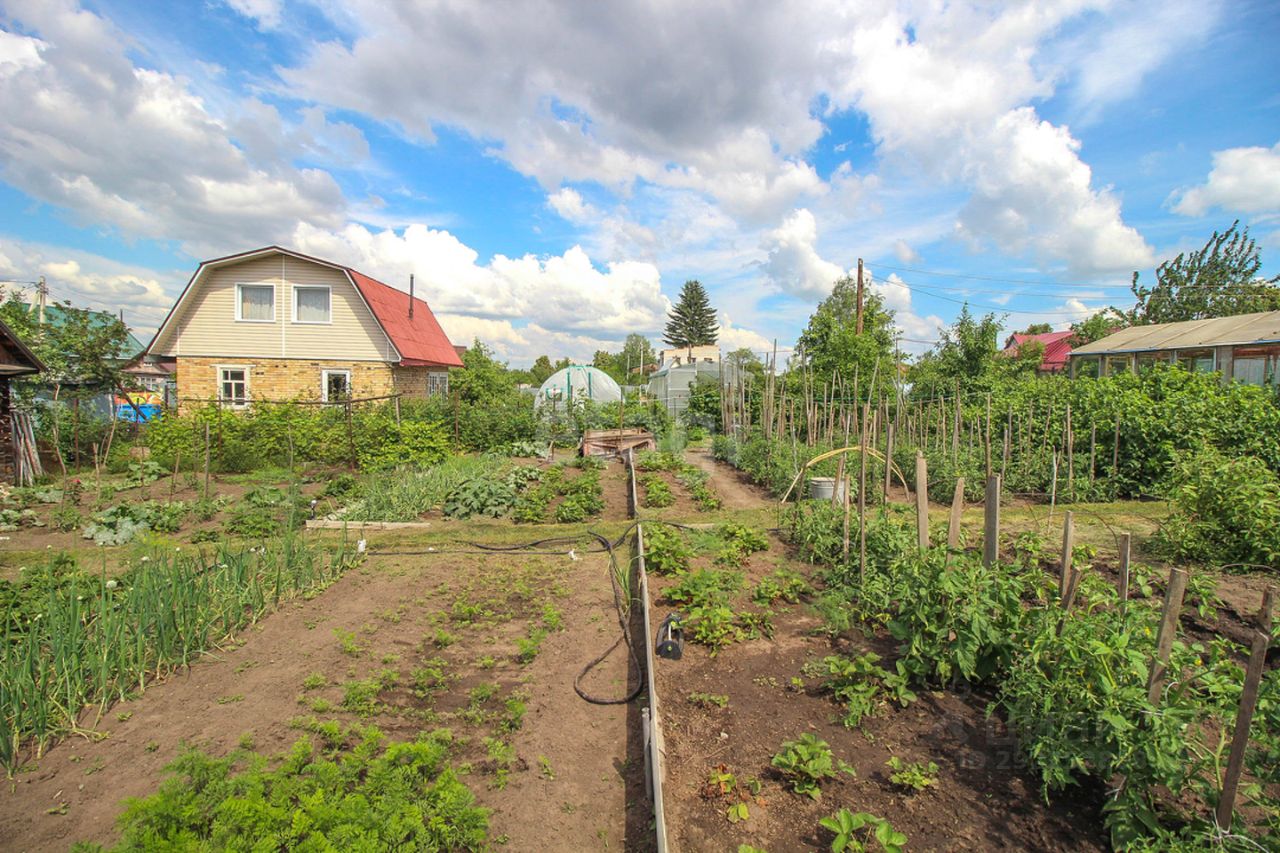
(692, 321)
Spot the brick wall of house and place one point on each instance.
(297, 379)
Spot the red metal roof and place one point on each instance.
(421, 341)
(1057, 347)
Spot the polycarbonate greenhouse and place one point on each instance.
(578, 382)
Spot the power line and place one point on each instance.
(1002, 280)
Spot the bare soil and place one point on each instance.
(578, 771)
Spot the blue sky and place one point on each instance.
(552, 173)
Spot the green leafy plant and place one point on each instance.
(914, 775)
(806, 763)
(378, 795)
(854, 831)
(657, 493)
(665, 550)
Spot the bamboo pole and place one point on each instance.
(1068, 547)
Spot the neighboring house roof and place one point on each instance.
(56, 315)
(1260, 328)
(420, 342)
(1057, 347)
(24, 361)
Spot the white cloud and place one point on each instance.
(568, 202)
(135, 148)
(734, 337)
(794, 265)
(521, 346)
(1246, 180)
(92, 281)
(266, 12)
(561, 293)
(904, 253)
(917, 332)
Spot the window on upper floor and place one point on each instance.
(311, 304)
(256, 303)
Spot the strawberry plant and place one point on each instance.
(782, 585)
(665, 550)
(914, 775)
(853, 831)
(656, 491)
(806, 763)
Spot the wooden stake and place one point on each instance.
(206, 460)
(922, 501)
(1069, 439)
(1244, 719)
(1068, 544)
(1123, 582)
(953, 523)
(1168, 629)
(991, 523)
(888, 459)
(1268, 605)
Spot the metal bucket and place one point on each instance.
(824, 489)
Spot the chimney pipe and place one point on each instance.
(410, 296)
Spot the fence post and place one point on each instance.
(1240, 739)
(953, 523)
(888, 459)
(922, 501)
(991, 522)
(1125, 545)
(397, 402)
(1168, 628)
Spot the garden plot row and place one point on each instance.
(436, 680)
(1083, 684)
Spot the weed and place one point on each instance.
(347, 642)
(708, 700)
(551, 618)
(917, 776)
(544, 767)
(527, 648)
(314, 681)
(443, 639)
(227, 700)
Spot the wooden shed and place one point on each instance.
(16, 359)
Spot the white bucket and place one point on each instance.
(824, 488)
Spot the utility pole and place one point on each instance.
(860, 286)
(42, 295)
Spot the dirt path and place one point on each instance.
(578, 767)
(731, 485)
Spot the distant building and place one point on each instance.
(18, 460)
(1057, 348)
(1245, 348)
(680, 356)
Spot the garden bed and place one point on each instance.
(416, 640)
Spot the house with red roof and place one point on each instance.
(1057, 348)
(274, 325)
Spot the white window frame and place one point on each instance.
(248, 392)
(300, 287)
(438, 383)
(324, 383)
(240, 318)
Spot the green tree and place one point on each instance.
(481, 377)
(1037, 329)
(692, 321)
(831, 344)
(964, 357)
(541, 370)
(1219, 280)
(1097, 327)
(83, 349)
(636, 353)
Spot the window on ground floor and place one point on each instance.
(1088, 366)
(233, 386)
(1117, 364)
(438, 383)
(336, 385)
(1197, 360)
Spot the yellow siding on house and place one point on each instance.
(206, 325)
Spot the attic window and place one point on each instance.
(311, 305)
(256, 303)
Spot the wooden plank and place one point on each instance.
(339, 524)
(1123, 581)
